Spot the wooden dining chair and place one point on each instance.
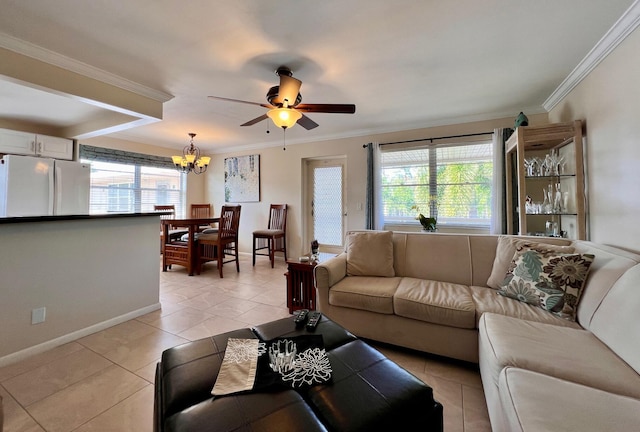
(170, 213)
(274, 238)
(216, 246)
(165, 208)
(203, 211)
(200, 211)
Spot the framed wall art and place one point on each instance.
(242, 179)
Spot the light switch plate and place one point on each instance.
(38, 315)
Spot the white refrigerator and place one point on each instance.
(33, 186)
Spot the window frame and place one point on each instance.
(144, 174)
(429, 206)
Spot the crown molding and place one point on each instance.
(627, 23)
(30, 50)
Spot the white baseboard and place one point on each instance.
(70, 337)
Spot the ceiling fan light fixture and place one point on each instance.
(284, 117)
(191, 161)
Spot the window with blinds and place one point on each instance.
(125, 188)
(451, 182)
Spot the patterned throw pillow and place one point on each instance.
(546, 250)
(507, 247)
(552, 282)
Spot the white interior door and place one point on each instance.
(326, 204)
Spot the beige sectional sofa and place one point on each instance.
(540, 372)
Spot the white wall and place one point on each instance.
(84, 272)
(608, 101)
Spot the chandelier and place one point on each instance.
(191, 161)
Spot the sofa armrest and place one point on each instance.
(326, 275)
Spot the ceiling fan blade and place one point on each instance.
(327, 108)
(307, 123)
(240, 101)
(255, 120)
(289, 89)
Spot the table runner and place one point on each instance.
(286, 362)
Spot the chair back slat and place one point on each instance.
(229, 221)
(166, 208)
(200, 211)
(278, 217)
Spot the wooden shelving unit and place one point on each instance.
(530, 141)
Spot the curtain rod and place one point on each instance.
(435, 138)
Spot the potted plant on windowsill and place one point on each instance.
(429, 224)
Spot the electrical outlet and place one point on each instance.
(38, 315)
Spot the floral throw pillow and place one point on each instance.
(505, 251)
(552, 282)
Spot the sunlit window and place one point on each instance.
(449, 182)
(124, 188)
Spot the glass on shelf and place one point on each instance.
(552, 165)
(533, 166)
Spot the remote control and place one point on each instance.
(314, 319)
(301, 317)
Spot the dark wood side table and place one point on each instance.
(301, 292)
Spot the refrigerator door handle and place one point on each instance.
(52, 200)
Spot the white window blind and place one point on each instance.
(125, 188)
(451, 182)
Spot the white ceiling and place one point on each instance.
(406, 64)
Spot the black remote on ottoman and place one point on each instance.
(301, 317)
(314, 318)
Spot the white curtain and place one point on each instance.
(498, 186)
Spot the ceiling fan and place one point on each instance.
(284, 104)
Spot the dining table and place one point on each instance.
(182, 251)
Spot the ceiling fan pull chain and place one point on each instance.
(284, 139)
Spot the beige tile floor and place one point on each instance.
(104, 382)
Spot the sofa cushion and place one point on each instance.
(487, 300)
(434, 256)
(570, 354)
(610, 264)
(553, 282)
(506, 250)
(616, 321)
(370, 253)
(374, 294)
(530, 402)
(435, 302)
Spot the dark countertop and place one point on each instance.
(23, 219)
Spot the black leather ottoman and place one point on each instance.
(368, 392)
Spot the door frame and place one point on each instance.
(307, 195)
